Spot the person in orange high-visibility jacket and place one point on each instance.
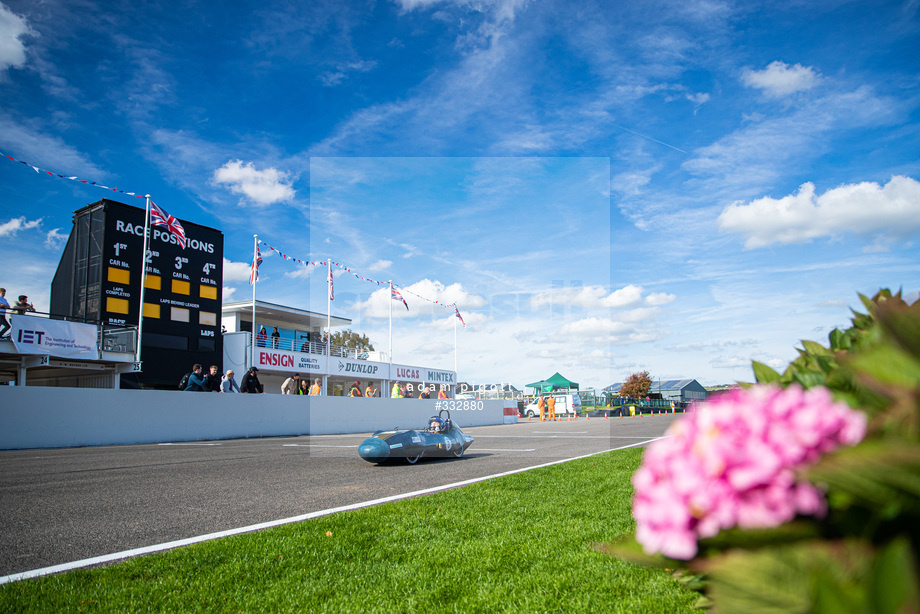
(316, 389)
(551, 405)
(542, 405)
(442, 394)
(355, 390)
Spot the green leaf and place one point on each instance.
(750, 539)
(787, 578)
(764, 374)
(839, 340)
(887, 364)
(815, 348)
(630, 550)
(809, 379)
(902, 323)
(893, 585)
(880, 473)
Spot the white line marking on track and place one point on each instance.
(108, 558)
(188, 444)
(503, 450)
(569, 432)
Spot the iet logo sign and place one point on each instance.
(31, 336)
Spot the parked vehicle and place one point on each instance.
(566, 404)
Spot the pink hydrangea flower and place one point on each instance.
(732, 463)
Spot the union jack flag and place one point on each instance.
(256, 261)
(396, 296)
(457, 311)
(159, 217)
(329, 279)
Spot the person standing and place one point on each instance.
(551, 404)
(195, 380)
(227, 383)
(23, 305)
(4, 323)
(291, 384)
(395, 393)
(276, 337)
(304, 387)
(212, 380)
(251, 383)
(424, 394)
(355, 390)
(261, 337)
(442, 393)
(370, 391)
(316, 389)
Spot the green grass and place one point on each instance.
(517, 544)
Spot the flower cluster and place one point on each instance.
(732, 463)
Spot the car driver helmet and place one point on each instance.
(435, 424)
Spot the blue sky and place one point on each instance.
(602, 188)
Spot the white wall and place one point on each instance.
(36, 417)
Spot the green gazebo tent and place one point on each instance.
(555, 382)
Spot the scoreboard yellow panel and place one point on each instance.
(119, 276)
(181, 287)
(151, 310)
(207, 292)
(154, 282)
(116, 305)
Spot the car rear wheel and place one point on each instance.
(414, 459)
(458, 452)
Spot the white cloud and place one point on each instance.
(380, 265)
(862, 208)
(237, 271)
(659, 298)
(12, 29)
(55, 239)
(502, 9)
(614, 331)
(343, 69)
(262, 188)
(779, 79)
(9, 229)
(596, 297)
(420, 297)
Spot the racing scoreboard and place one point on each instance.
(99, 279)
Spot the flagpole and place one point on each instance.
(329, 308)
(140, 313)
(255, 280)
(455, 340)
(391, 321)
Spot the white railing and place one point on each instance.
(312, 347)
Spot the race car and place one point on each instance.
(442, 439)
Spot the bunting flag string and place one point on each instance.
(347, 269)
(72, 178)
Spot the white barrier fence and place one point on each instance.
(38, 417)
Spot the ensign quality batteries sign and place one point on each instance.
(182, 296)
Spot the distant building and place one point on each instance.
(677, 390)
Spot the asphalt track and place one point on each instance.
(67, 505)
